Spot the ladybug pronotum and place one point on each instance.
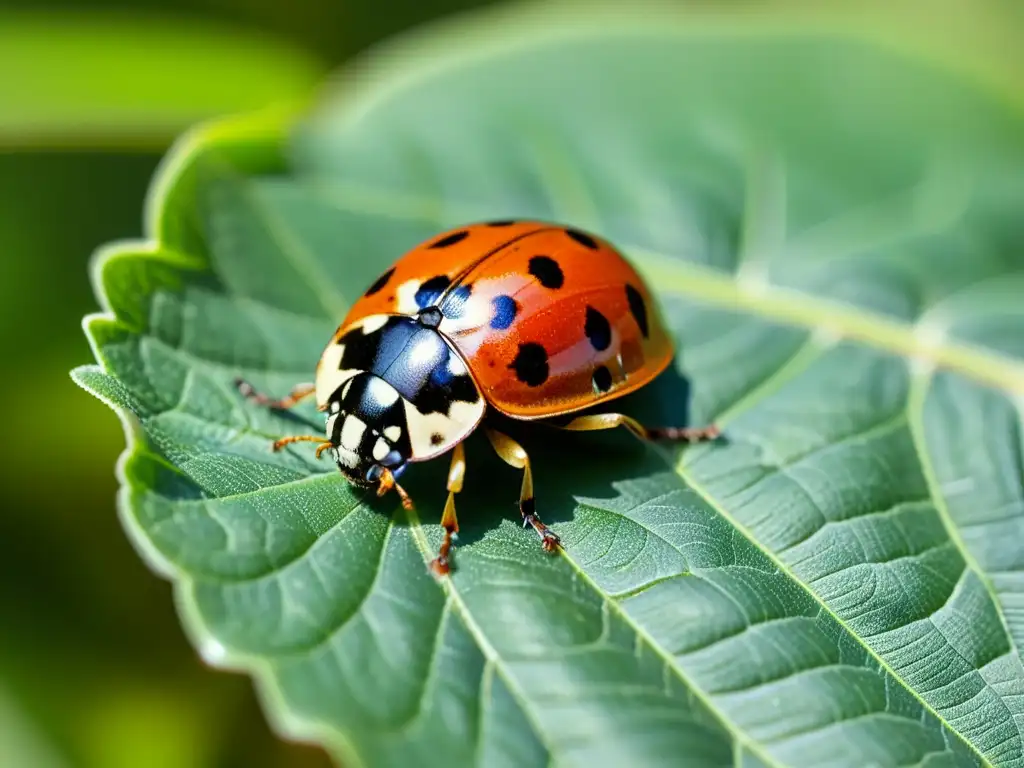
(529, 319)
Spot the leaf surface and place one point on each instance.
(834, 234)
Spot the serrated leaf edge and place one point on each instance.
(269, 126)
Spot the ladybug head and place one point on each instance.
(366, 427)
(363, 469)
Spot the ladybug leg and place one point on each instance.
(301, 392)
(512, 453)
(612, 420)
(387, 482)
(456, 473)
(323, 444)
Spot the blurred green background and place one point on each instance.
(94, 668)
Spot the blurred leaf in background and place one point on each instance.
(91, 653)
(90, 645)
(92, 657)
(134, 82)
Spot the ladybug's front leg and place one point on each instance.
(322, 443)
(512, 453)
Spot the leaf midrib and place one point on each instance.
(793, 307)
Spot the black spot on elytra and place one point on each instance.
(598, 329)
(380, 282)
(531, 364)
(504, 312)
(582, 238)
(430, 291)
(547, 271)
(502, 223)
(636, 306)
(436, 439)
(452, 239)
(602, 379)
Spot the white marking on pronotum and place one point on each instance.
(393, 432)
(380, 449)
(352, 432)
(422, 351)
(373, 323)
(381, 392)
(455, 365)
(330, 376)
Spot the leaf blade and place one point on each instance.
(735, 620)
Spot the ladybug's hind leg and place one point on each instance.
(612, 420)
(456, 473)
(297, 395)
(512, 453)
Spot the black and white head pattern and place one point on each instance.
(366, 425)
(394, 377)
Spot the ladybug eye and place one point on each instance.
(373, 473)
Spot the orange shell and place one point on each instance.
(549, 319)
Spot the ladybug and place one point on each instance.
(528, 319)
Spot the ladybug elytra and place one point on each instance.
(531, 319)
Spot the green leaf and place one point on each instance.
(834, 233)
(134, 81)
